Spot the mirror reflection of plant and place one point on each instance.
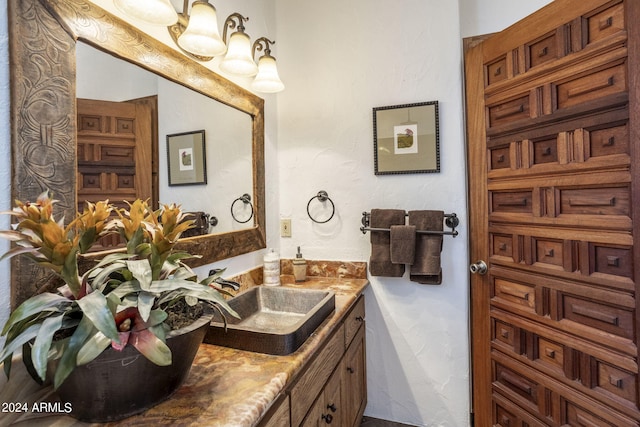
(120, 301)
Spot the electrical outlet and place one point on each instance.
(285, 227)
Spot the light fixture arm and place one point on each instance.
(230, 23)
(183, 17)
(260, 44)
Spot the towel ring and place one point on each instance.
(246, 199)
(323, 197)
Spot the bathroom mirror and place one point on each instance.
(42, 38)
(221, 169)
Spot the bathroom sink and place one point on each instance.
(273, 320)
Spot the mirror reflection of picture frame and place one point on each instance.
(186, 158)
(406, 138)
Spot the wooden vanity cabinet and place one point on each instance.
(331, 389)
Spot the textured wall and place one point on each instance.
(339, 60)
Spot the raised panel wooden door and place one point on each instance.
(553, 134)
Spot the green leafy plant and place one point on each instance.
(122, 300)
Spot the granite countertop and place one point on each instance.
(225, 387)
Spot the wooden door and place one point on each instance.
(553, 133)
(114, 153)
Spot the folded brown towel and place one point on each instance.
(403, 244)
(426, 268)
(380, 262)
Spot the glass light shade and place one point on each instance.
(267, 80)
(238, 59)
(158, 12)
(202, 36)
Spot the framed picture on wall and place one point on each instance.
(406, 138)
(186, 158)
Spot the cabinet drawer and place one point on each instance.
(605, 23)
(353, 321)
(542, 50)
(592, 86)
(497, 71)
(509, 111)
(117, 154)
(307, 388)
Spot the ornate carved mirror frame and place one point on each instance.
(42, 41)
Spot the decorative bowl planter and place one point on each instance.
(119, 384)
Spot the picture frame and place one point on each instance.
(406, 138)
(186, 158)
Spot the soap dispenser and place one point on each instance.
(299, 267)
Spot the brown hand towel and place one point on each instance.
(426, 267)
(380, 262)
(403, 244)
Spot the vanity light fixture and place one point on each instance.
(239, 58)
(158, 12)
(267, 80)
(201, 36)
(198, 36)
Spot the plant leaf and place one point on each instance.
(35, 305)
(92, 348)
(151, 347)
(70, 351)
(11, 346)
(141, 270)
(42, 344)
(145, 303)
(94, 307)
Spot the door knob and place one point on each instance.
(478, 267)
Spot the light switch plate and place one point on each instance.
(285, 227)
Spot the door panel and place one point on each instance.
(552, 167)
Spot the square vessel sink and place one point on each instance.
(273, 320)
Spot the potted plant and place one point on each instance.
(94, 327)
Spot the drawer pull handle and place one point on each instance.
(125, 126)
(546, 151)
(350, 370)
(610, 81)
(503, 246)
(332, 407)
(505, 421)
(125, 181)
(616, 382)
(500, 158)
(92, 181)
(327, 418)
(543, 52)
(550, 253)
(360, 319)
(504, 333)
(90, 124)
(498, 71)
(613, 261)
(610, 202)
(610, 142)
(595, 315)
(523, 202)
(506, 112)
(551, 354)
(606, 23)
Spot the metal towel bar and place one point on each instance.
(451, 220)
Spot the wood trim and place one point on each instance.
(478, 244)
